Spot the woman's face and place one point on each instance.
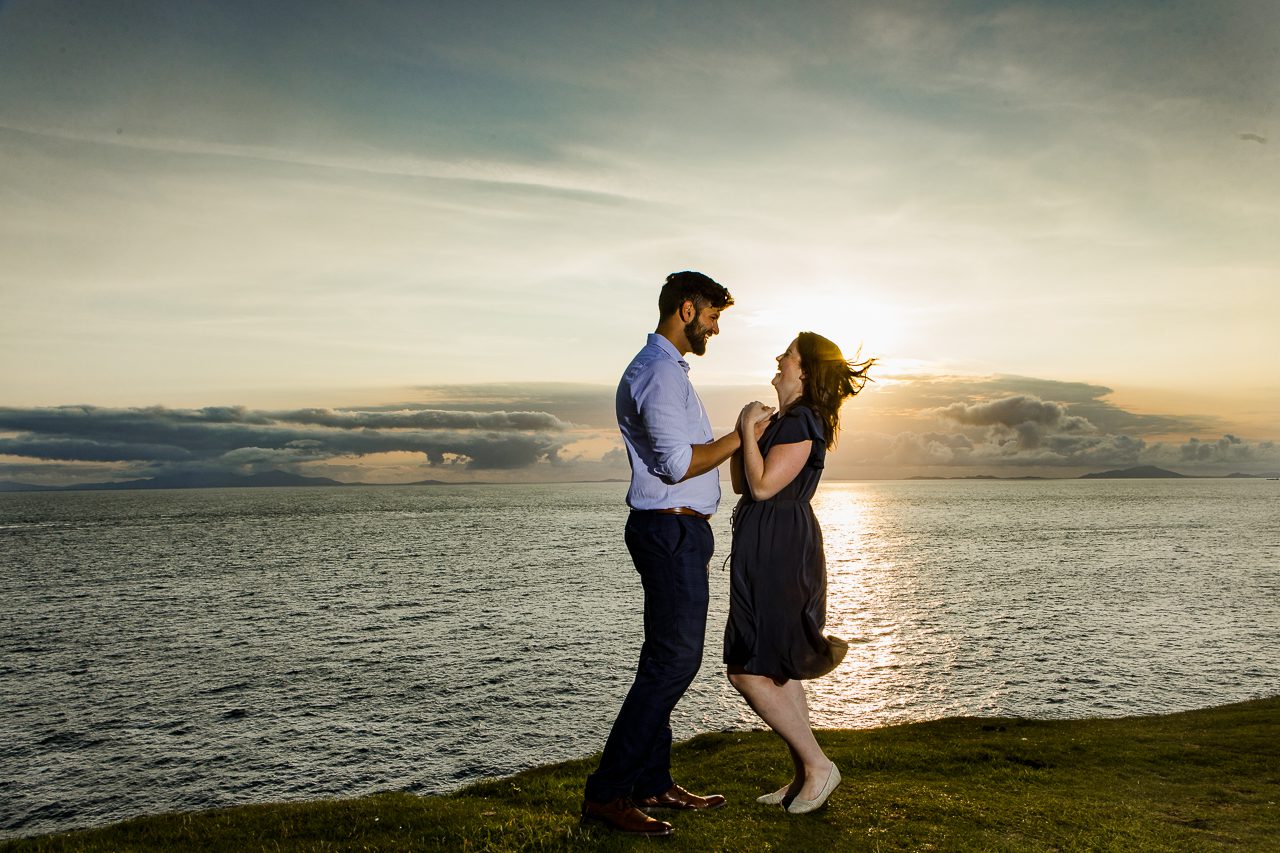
(789, 380)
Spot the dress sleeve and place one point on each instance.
(801, 424)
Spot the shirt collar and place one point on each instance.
(669, 348)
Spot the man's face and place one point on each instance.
(704, 324)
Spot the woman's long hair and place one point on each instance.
(828, 380)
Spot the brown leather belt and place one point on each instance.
(682, 510)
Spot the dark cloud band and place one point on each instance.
(223, 436)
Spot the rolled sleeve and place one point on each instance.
(660, 394)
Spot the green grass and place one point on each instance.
(1201, 780)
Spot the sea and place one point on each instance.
(182, 650)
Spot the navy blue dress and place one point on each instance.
(778, 571)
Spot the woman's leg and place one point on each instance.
(815, 773)
(784, 708)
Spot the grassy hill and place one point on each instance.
(1202, 780)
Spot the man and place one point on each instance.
(674, 490)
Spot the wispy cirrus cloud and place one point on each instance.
(1039, 173)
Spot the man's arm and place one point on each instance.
(659, 393)
(709, 456)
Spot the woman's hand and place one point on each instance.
(754, 416)
(765, 476)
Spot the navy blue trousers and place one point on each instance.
(671, 553)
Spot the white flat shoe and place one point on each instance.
(799, 806)
(776, 797)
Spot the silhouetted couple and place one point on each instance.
(774, 637)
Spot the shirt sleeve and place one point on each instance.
(661, 397)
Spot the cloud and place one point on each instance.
(912, 395)
(1023, 430)
(579, 404)
(929, 448)
(1026, 419)
(559, 431)
(1016, 425)
(237, 438)
(422, 418)
(911, 450)
(1228, 448)
(366, 163)
(1013, 412)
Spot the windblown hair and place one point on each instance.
(828, 380)
(702, 290)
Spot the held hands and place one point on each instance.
(755, 417)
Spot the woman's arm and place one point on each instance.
(767, 475)
(735, 461)
(736, 477)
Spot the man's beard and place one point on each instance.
(697, 335)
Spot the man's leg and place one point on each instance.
(671, 554)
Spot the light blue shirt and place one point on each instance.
(661, 417)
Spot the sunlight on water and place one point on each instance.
(869, 585)
(1035, 599)
(857, 576)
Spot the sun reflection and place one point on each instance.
(862, 587)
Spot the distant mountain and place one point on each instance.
(184, 481)
(1139, 472)
(981, 477)
(11, 486)
(1271, 476)
(226, 481)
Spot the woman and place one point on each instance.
(777, 603)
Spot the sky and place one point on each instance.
(394, 241)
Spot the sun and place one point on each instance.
(861, 324)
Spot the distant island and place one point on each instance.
(184, 481)
(1140, 472)
(982, 477)
(215, 480)
(1137, 472)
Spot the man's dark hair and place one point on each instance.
(702, 290)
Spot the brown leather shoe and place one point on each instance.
(676, 797)
(622, 816)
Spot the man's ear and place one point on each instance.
(688, 311)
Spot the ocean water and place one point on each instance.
(182, 650)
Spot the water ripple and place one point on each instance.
(200, 649)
